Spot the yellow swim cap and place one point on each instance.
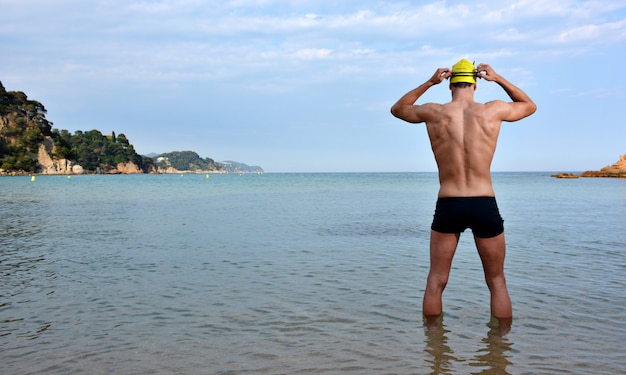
(463, 71)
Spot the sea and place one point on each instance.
(287, 273)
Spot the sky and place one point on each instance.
(306, 85)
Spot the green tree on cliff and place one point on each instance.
(23, 128)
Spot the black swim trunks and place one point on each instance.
(481, 214)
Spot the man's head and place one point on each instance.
(463, 73)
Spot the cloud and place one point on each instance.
(599, 93)
(313, 53)
(209, 40)
(610, 32)
(219, 66)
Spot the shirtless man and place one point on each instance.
(463, 135)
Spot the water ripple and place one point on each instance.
(295, 274)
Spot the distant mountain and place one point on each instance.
(236, 167)
(190, 161)
(185, 161)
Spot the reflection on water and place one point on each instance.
(492, 357)
(441, 359)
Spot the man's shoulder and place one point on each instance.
(432, 108)
(434, 105)
(496, 102)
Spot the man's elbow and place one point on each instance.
(405, 113)
(394, 110)
(398, 111)
(532, 108)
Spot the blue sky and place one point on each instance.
(306, 86)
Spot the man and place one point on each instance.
(463, 136)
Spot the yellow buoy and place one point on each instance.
(68, 177)
(33, 178)
(207, 176)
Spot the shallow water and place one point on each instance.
(301, 273)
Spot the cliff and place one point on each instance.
(29, 144)
(616, 170)
(50, 165)
(46, 158)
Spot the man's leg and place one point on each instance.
(492, 251)
(442, 248)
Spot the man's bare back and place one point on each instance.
(463, 139)
(463, 133)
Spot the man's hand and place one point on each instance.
(440, 75)
(487, 73)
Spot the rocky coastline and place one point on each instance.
(616, 170)
(48, 164)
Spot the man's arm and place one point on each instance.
(407, 110)
(522, 105)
